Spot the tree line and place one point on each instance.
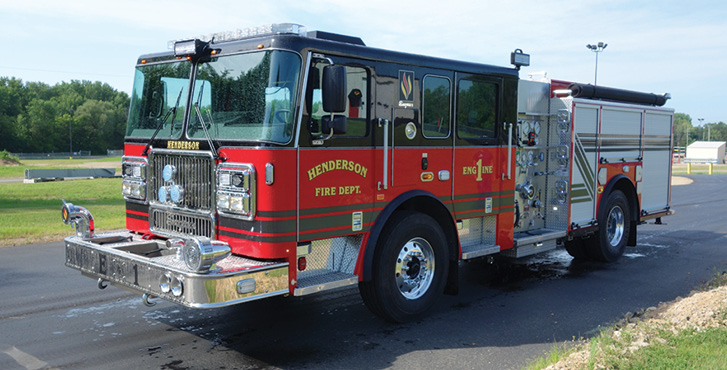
(683, 126)
(91, 116)
(39, 118)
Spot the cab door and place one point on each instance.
(422, 141)
(483, 194)
(336, 170)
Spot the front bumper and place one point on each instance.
(126, 260)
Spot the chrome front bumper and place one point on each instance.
(126, 260)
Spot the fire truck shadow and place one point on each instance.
(329, 330)
(506, 274)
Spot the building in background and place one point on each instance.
(706, 152)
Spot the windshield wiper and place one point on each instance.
(204, 124)
(171, 112)
(204, 128)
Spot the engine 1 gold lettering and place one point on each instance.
(478, 169)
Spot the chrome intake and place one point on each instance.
(80, 218)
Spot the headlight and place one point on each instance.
(201, 254)
(176, 286)
(133, 185)
(173, 284)
(170, 191)
(236, 190)
(162, 194)
(176, 193)
(223, 201)
(169, 172)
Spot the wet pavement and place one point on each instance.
(507, 312)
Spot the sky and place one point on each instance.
(679, 47)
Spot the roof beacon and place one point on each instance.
(246, 33)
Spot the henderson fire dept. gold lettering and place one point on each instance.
(337, 164)
(478, 169)
(187, 145)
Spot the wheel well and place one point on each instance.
(426, 203)
(436, 210)
(623, 184)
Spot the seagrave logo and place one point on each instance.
(406, 87)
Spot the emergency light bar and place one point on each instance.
(246, 33)
(187, 47)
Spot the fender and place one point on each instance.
(630, 193)
(383, 218)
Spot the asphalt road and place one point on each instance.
(505, 315)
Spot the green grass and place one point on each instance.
(558, 352)
(32, 212)
(686, 350)
(698, 169)
(668, 349)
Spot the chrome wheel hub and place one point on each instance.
(414, 268)
(615, 226)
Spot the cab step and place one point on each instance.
(323, 280)
(480, 250)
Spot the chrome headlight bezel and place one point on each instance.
(134, 178)
(236, 186)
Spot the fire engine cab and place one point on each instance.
(275, 161)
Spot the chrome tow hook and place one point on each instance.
(145, 299)
(102, 284)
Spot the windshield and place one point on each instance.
(158, 88)
(246, 97)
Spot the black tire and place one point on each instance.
(577, 249)
(613, 229)
(409, 268)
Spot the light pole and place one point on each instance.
(701, 121)
(70, 132)
(596, 49)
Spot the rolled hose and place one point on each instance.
(588, 91)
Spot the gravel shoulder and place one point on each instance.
(699, 311)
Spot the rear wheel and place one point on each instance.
(613, 229)
(409, 268)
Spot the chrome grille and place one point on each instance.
(180, 223)
(195, 174)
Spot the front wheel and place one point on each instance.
(613, 228)
(409, 268)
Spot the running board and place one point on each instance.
(537, 236)
(314, 283)
(474, 251)
(532, 242)
(530, 249)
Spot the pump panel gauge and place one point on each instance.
(525, 127)
(536, 128)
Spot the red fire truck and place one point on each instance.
(275, 161)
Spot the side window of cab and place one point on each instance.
(356, 100)
(476, 109)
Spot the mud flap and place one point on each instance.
(632, 234)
